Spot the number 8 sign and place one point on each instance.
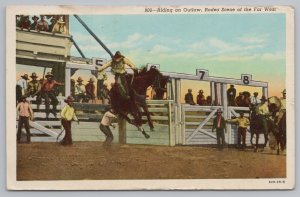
(246, 79)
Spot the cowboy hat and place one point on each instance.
(200, 91)
(255, 93)
(284, 91)
(33, 75)
(219, 111)
(91, 80)
(69, 99)
(118, 56)
(49, 74)
(25, 76)
(79, 79)
(35, 17)
(263, 98)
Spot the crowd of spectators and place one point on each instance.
(45, 23)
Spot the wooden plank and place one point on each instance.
(89, 107)
(43, 139)
(42, 129)
(42, 106)
(48, 123)
(158, 109)
(198, 123)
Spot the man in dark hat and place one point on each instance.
(35, 20)
(117, 65)
(90, 91)
(25, 113)
(24, 22)
(231, 93)
(79, 90)
(201, 98)
(52, 23)
(49, 94)
(219, 125)
(21, 87)
(67, 116)
(189, 99)
(34, 89)
(262, 110)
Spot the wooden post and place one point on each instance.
(68, 82)
(178, 109)
(216, 94)
(122, 130)
(211, 91)
(228, 127)
(169, 91)
(265, 92)
(183, 124)
(224, 102)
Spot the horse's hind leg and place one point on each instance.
(150, 123)
(143, 132)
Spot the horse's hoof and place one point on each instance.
(146, 135)
(152, 129)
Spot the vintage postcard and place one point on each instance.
(150, 97)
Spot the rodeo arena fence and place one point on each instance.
(175, 123)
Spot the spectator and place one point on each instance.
(79, 90)
(21, 87)
(231, 93)
(104, 127)
(189, 97)
(220, 125)
(200, 98)
(208, 100)
(239, 100)
(243, 122)
(53, 22)
(25, 113)
(35, 21)
(24, 22)
(101, 77)
(255, 101)
(42, 25)
(49, 94)
(34, 89)
(60, 27)
(90, 91)
(67, 115)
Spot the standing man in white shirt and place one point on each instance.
(255, 101)
(79, 90)
(104, 126)
(24, 111)
(21, 86)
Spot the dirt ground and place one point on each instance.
(90, 161)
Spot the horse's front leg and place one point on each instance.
(150, 123)
(140, 128)
(256, 142)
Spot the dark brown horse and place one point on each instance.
(138, 83)
(280, 129)
(257, 129)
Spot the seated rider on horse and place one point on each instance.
(282, 109)
(117, 65)
(262, 110)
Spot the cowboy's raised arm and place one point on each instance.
(105, 66)
(129, 63)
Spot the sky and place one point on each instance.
(227, 45)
